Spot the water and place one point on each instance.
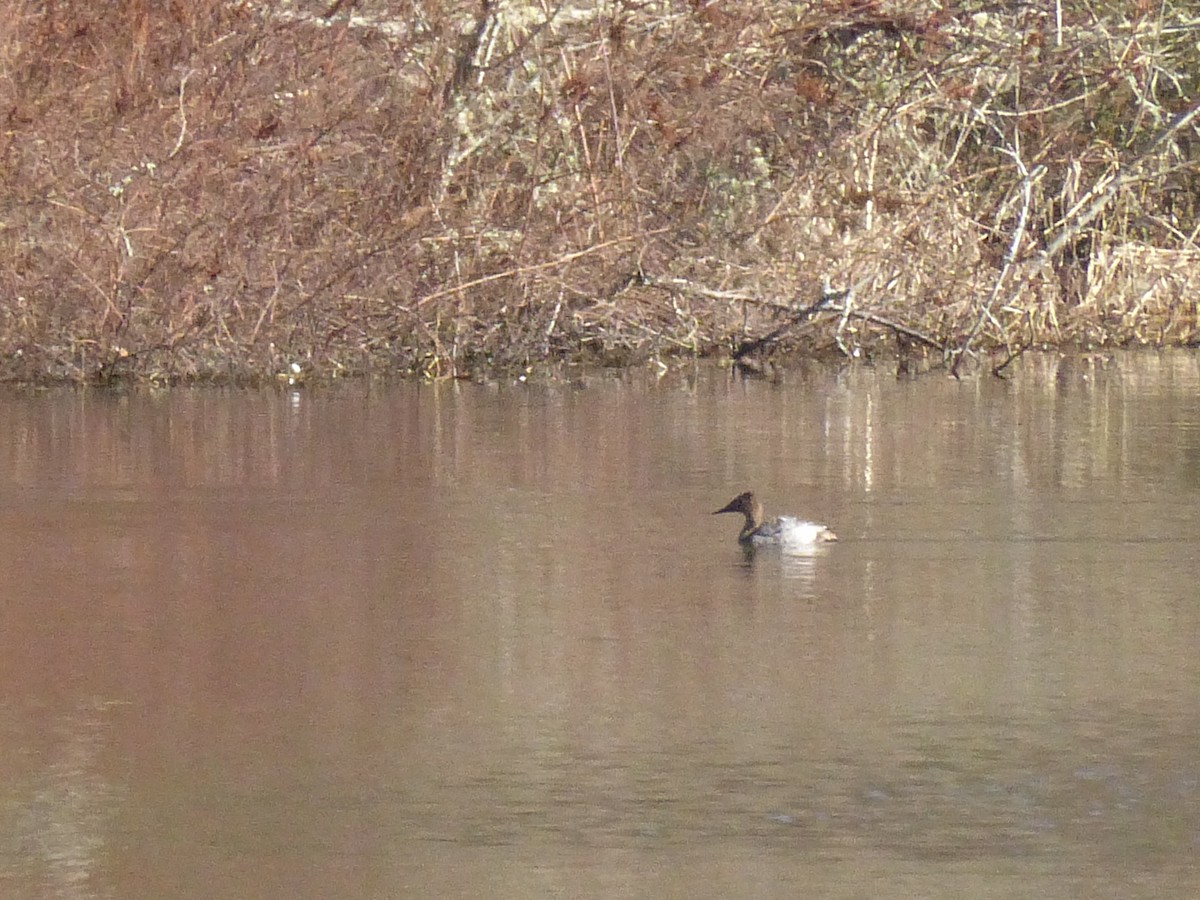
(457, 640)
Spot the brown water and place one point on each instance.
(452, 640)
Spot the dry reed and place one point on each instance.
(234, 190)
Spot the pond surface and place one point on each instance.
(457, 640)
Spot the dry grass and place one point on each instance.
(225, 190)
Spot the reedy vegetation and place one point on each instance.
(225, 189)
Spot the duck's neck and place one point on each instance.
(752, 524)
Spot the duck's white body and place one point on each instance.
(790, 530)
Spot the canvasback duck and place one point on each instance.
(782, 531)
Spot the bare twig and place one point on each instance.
(828, 300)
(1027, 181)
(537, 267)
(847, 308)
(182, 115)
(897, 327)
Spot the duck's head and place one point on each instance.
(746, 504)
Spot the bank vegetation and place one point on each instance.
(239, 190)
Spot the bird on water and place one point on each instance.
(780, 531)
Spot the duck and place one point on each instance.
(782, 531)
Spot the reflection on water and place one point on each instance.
(456, 639)
(58, 835)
